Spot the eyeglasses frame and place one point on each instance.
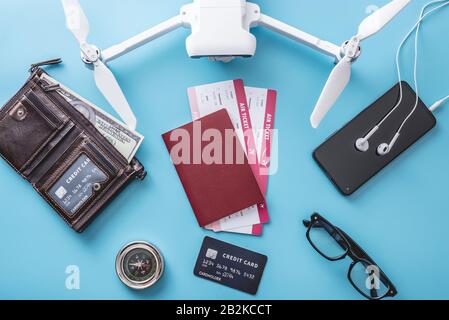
(352, 250)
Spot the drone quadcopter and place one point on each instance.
(221, 32)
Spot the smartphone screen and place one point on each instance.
(349, 168)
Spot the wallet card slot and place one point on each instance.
(102, 158)
(53, 115)
(52, 151)
(78, 178)
(25, 129)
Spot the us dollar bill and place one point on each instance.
(125, 140)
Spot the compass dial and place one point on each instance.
(139, 265)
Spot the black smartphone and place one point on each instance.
(349, 168)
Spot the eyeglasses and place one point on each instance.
(334, 244)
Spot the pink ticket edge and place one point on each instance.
(268, 124)
(247, 127)
(257, 229)
(268, 127)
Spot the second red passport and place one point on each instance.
(213, 168)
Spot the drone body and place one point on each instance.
(220, 30)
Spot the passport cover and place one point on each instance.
(216, 190)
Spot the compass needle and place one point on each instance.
(139, 265)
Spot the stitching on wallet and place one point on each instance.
(54, 176)
(97, 205)
(75, 154)
(23, 92)
(50, 137)
(31, 83)
(117, 182)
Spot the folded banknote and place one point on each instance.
(125, 140)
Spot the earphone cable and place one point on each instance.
(416, 27)
(415, 68)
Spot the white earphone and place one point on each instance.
(362, 144)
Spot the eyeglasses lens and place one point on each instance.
(327, 240)
(367, 279)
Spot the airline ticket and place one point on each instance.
(260, 105)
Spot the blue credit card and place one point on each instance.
(77, 185)
(230, 265)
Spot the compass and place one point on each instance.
(139, 265)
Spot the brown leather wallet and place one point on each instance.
(56, 149)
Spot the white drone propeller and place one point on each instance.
(340, 76)
(78, 24)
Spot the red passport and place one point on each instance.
(213, 168)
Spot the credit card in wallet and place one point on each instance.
(229, 265)
(77, 184)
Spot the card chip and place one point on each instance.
(61, 192)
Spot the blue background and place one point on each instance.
(400, 218)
